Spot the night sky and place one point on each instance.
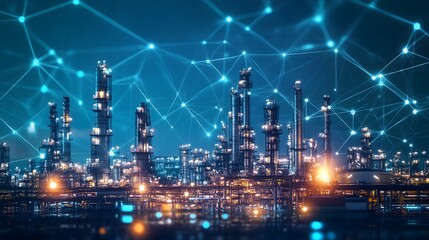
(183, 57)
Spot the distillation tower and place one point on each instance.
(297, 147)
(66, 131)
(142, 151)
(4, 164)
(184, 158)
(247, 133)
(326, 109)
(235, 123)
(52, 145)
(222, 152)
(101, 134)
(272, 130)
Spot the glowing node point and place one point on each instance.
(416, 26)
(406, 102)
(374, 77)
(336, 153)
(205, 224)
(316, 225)
(80, 74)
(353, 112)
(414, 101)
(208, 134)
(36, 62)
(76, 2)
(275, 90)
(151, 46)
(335, 89)
(192, 62)
(380, 75)
(405, 50)
(243, 53)
(382, 132)
(51, 52)
(283, 54)
(415, 111)
(228, 19)
(204, 42)
(164, 117)
(80, 103)
(336, 50)
(353, 132)
(32, 124)
(223, 79)
(247, 28)
(183, 104)
(220, 109)
(318, 19)
(192, 216)
(330, 44)
(42, 156)
(372, 5)
(224, 42)
(306, 100)
(207, 61)
(405, 140)
(268, 10)
(411, 145)
(171, 127)
(158, 214)
(224, 216)
(307, 118)
(60, 61)
(316, 236)
(44, 88)
(21, 19)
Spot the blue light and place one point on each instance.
(183, 104)
(243, 53)
(373, 77)
(42, 156)
(353, 132)
(192, 216)
(247, 28)
(275, 90)
(36, 62)
(158, 214)
(208, 134)
(382, 132)
(80, 74)
(318, 18)
(223, 79)
(207, 61)
(225, 42)
(283, 54)
(316, 236)
(76, 2)
(127, 219)
(405, 50)
(164, 117)
(44, 88)
(228, 19)
(21, 19)
(380, 76)
(80, 102)
(336, 50)
(353, 112)
(192, 62)
(51, 52)
(306, 100)
(32, 124)
(316, 225)
(416, 26)
(415, 111)
(414, 101)
(60, 61)
(307, 118)
(225, 216)
(307, 46)
(405, 140)
(205, 224)
(127, 208)
(330, 43)
(406, 102)
(151, 46)
(268, 10)
(411, 145)
(204, 42)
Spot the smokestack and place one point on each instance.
(297, 128)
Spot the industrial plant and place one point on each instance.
(231, 177)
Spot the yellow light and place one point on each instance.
(255, 212)
(186, 194)
(142, 188)
(53, 185)
(305, 209)
(323, 175)
(138, 228)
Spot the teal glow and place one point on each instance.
(318, 18)
(192, 216)
(127, 219)
(330, 43)
(127, 208)
(225, 216)
(316, 236)
(416, 26)
(80, 102)
(76, 2)
(158, 214)
(80, 74)
(151, 46)
(36, 62)
(316, 225)
(21, 19)
(205, 224)
(51, 52)
(44, 88)
(228, 19)
(247, 28)
(268, 10)
(60, 61)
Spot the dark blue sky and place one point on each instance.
(334, 47)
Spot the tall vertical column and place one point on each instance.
(101, 134)
(4, 164)
(247, 134)
(272, 130)
(235, 122)
(142, 151)
(184, 157)
(52, 145)
(223, 152)
(326, 109)
(297, 130)
(66, 131)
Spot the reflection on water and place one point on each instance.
(213, 225)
